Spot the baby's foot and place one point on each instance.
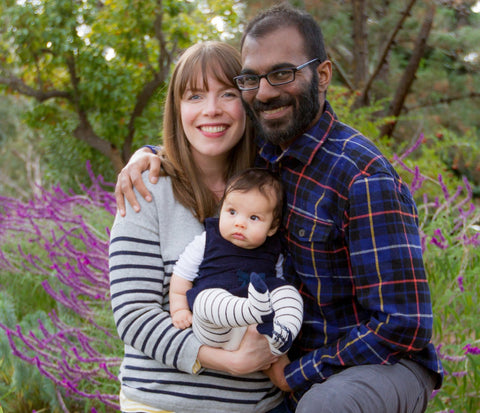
(278, 336)
(259, 298)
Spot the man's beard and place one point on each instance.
(305, 106)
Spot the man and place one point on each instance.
(351, 228)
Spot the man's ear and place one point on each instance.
(324, 70)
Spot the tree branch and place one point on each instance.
(84, 132)
(166, 56)
(21, 87)
(342, 74)
(386, 49)
(409, 74)
(443, 100)
(159, 77)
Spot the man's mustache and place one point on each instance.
(271, 104)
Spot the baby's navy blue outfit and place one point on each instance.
(229, 267)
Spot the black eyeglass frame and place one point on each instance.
(266, 75)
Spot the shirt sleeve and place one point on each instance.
(189, 261)
(279, 266)
(389, 278)
(139, 290)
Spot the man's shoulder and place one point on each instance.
(344, 132)
(354, 147)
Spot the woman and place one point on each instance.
(205, 142)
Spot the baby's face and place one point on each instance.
(246, 218)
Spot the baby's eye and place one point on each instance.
(255, 218)
(232, 212)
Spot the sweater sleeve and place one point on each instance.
(139, 280)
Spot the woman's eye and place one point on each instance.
(230, 95)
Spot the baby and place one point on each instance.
(231, 275)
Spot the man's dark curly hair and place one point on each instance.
(284, 15)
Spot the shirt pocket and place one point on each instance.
(310, 244)
(309, 221)
(310, 230)
(320, 259)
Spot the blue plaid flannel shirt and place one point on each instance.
(355, 255)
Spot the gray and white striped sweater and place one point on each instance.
(159, 359)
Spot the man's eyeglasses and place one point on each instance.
(275, 77)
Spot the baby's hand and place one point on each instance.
(182, 319)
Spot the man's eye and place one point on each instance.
(250, 79)
(281, 75)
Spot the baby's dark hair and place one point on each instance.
(263, 180)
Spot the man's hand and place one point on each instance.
(276, 373)
(131, 176)
(252, 355)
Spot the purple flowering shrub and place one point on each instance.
(450, 234)
(52, 238)
(58, 240)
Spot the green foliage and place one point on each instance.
(444, 152)
(22, 387)
(445, 92)
(17, 156)
(56, 240)
(429, 157)
(453, 275)
(97, 72)
(365, 119)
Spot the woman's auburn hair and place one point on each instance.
(223, 62)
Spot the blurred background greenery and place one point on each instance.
(85, 81)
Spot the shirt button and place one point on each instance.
(301, 232)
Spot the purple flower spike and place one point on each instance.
(73, 269)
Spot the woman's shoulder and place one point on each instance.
(163, 199)
(162, 179)
(164, 202)
(162, 187)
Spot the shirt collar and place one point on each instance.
(305, 146)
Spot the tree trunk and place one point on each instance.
(360, 48)
(85, 133)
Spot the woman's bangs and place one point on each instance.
(213, 67)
